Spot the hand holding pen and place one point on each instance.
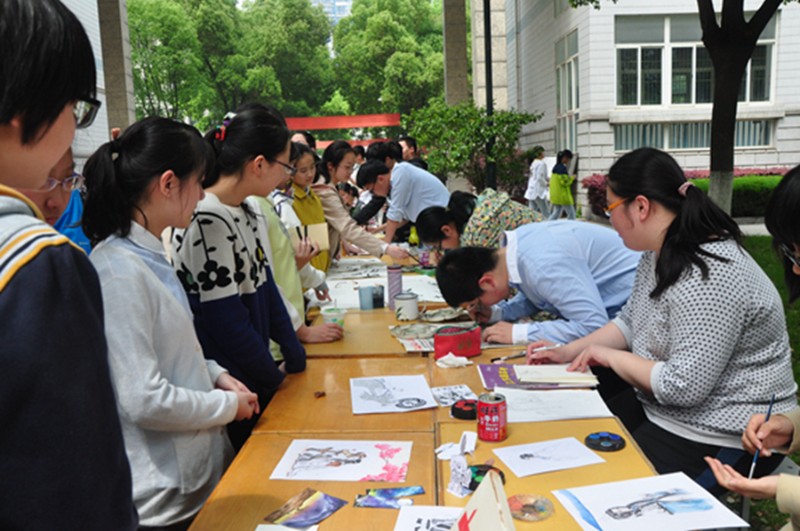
(759, 446)
(524, 353)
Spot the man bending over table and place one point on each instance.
(578, 271)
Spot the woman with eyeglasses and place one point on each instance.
(782, 431)
(173, 404)
(221, 259)
(336, 167)
(62, 458)
(702, 339)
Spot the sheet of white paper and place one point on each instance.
(555, 373)
(345, 290)
(547, 456)
(390, 394)
(427, 518)
(659, 503)
(332, 460)
(561, 404)
(450, 394)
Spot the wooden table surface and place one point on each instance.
(627, 463)
(294, 409)
(366, 334)
(465, 375)
(246, 494)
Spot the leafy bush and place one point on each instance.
(455, 139)
(751, 192)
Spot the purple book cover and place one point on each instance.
(503, 375)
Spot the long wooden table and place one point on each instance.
(294, 408)
(246, 494)
(366, 334)
(628, 463)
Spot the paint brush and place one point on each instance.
(758, 450)
(299, 234)
(524, 352)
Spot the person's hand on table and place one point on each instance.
(323, 294)
(322, 333)
(760, 435)
(498, 333)
(396, 252)
(592, 355)
(557, 355)
(729, 478)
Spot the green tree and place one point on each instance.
(167, 75)
(378, 44)
(730, 41)
(456, 139)
(291, 36)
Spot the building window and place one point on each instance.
(688, 135)
(567, 91)
(661, 59)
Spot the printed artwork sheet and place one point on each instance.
(659, 503)
(547, 456)
(562, 404)
(553, 373)
(427, 518)
(390, 394)
(450, 394)
(332, 460)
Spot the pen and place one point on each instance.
(305, 230)
(299, 234)
(758, 450)
(524, 352)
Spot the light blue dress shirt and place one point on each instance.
(414, 190)
(579, 271)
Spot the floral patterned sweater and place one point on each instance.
(221, 262)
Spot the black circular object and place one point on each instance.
(465, 410)
(604, 441)
(479, 472)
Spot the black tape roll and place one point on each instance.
(465, 410)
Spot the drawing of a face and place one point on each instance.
(408, 403)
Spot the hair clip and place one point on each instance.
(220, 134)
(684, 187)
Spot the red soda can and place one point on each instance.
(492, 410)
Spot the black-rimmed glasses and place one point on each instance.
(85, 112)
(290, 170)
(788, 252)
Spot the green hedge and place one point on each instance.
(750, 194)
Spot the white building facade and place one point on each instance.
(636, 73)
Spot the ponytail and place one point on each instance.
(698, 220)
(119, 173)
(431, 220)
(783, 223)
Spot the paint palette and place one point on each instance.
(530, 507)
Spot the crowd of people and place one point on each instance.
(133, 371)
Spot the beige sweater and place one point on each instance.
(342, 226)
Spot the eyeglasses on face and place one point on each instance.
(85, 111)
(288, 168)
(73, 182)
(788, 252)
(614, 205)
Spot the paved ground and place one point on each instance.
(754, 229)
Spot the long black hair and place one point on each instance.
(655, 175)
(119, 173)
(255, 130)
(431, 220)
(46, 63)
(783, 222)
(334, 154)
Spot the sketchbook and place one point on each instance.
(553, 374)
(317, 233)
(333, 460)
(659, 503)
(495, 375)
(563, 404)
(390, 394)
